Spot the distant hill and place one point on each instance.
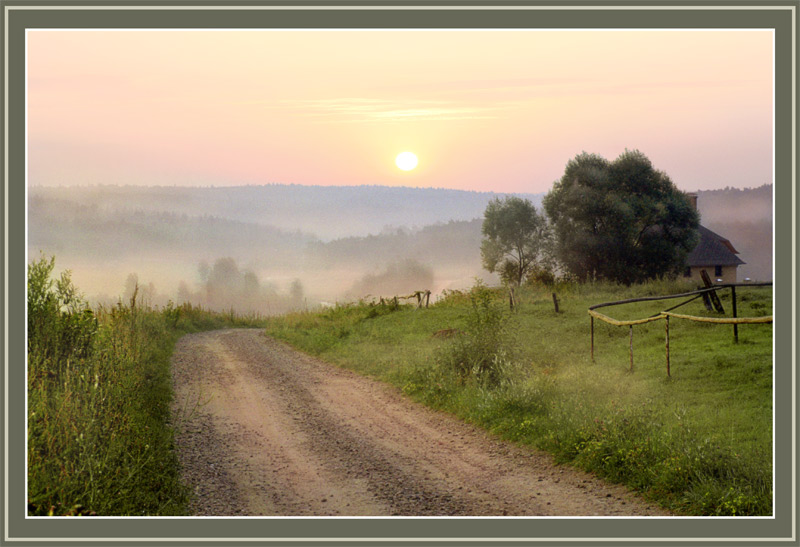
(734, 204)
(328, 212)
(87, 231)
(744, 216)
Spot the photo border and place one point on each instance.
(18, 16)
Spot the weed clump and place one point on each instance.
(484, 350)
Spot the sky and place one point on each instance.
(496, 110)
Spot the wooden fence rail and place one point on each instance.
(665, 315)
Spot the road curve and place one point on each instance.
(265, 430)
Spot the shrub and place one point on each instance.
(61, 327)
(541, 276)
(485, 349)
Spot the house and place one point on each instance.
(714, 254)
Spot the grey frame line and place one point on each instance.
(322, 525)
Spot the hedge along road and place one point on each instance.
(266, 430)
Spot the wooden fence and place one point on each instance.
(668, 313)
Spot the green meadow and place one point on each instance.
(698, 442)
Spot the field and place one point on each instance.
(698, 442)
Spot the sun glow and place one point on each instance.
(406, 161)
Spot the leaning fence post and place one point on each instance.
(735, 325)
(631, 345)
(667, 329)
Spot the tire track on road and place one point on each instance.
(281, 433)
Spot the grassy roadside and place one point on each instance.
(100, 439)
(699, 443)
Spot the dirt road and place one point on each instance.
(265, 430)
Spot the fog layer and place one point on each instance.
(270, 249)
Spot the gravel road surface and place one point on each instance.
(266, 430)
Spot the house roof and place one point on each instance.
(713, 250)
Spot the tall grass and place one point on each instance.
(100, 439)
(698, 442)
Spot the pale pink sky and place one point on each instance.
(484, 110)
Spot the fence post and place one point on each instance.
(667, 329)
(592, 336)
(712, 295)
(631, 348)
(735, 325)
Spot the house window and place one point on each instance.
(718, 271)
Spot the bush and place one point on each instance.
(485, 349)
(541, 276)
(61, 327)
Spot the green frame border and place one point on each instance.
(780, 16)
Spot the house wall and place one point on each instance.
(728, 274)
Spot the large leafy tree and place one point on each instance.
(514, 238)
(622, 220)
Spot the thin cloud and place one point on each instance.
(359, 109)
(518, 90)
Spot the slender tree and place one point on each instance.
(515, 238)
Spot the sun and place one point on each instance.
(406, 161)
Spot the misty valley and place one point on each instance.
(276, 248)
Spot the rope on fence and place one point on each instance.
(722, 320)
(612, 321)
(663, 314)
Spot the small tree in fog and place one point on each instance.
(203, 270)
(296, 293)
(184, 294)
(252, 287)
(131, 289)
(515, 239)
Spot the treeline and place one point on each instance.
(80, 229)
(222, 286)
(451, 243)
